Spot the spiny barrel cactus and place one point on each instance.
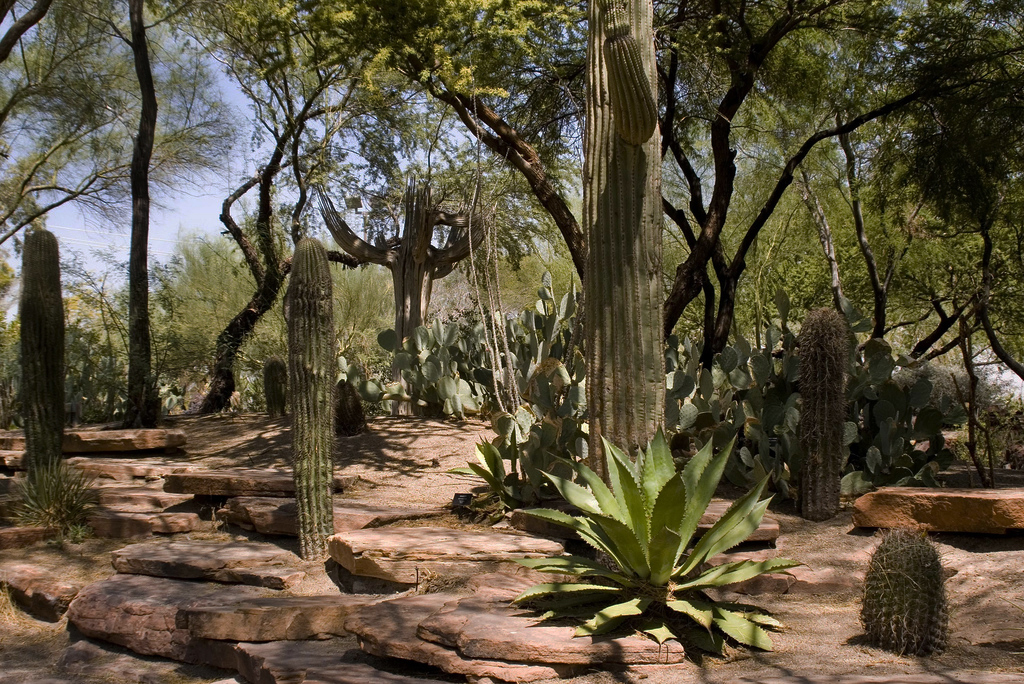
(622, 217)
(904, 608)
(311, 372)
(42, 349)
(275, 386)
(824, 352)
(348, 410)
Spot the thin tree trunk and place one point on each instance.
(143, 409)
(828, 245)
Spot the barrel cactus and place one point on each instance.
(824, 352)
(275, 386)
(42, 349)
(311, 372)
(622, 216)
(905, 608)
(349, 418)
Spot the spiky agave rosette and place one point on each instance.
(644, 523)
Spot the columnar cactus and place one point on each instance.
(904, 608)
(311, 371)
(275, 386)
(349, 418)
(622, 215)
(824, 352)
(42, 349)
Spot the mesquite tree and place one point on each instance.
(415, 263)
(622, 216)
(42, 349)
(824, 355)
(312, 366)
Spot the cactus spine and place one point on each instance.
(349, 418)
(824, 352)
(904, 608)
(311, 372)
(42, 349)
(622, 216)
(275, 386)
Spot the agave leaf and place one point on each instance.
(706, 640)
(493, 482)
(659, 630)
(624, 544)
(741, 629)
(701, 482)
(611, 617)
(575, 565)
(662, 554)
(670, 506)
(580, 497)
(564, 590)
(623, 476)
(605, 499)
(658, 469)
(738, 523)
(491, 459)
(700, 611)
(730, 573)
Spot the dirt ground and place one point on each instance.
(404, 461)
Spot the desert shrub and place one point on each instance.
(56, 496)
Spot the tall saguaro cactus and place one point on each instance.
(413, 261)
(622, 216)
(42, 349)
(824, 352)
(312, 366)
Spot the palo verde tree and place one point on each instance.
(415, 263)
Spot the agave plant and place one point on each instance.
(644, 524)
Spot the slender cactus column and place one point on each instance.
(312, 366)
(622, 216)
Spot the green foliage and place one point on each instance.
(904, 609)
(42, 349)
(644, 523)
(312, 363)
(824, 358)
(56, 496)
(275, 386)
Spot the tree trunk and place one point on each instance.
(622, 215)
(143, 408)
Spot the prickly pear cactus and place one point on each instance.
(904, 608)
(275, 386)
(824, 358)
(42, 349)
(312, 364)
(348, 410)
(622, 216)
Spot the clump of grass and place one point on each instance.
(57, 497)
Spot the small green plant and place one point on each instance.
(56, 496)
(275, 386)
(905, 608)
(644, 523)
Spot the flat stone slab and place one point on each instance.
(39, 593)
(16, 537)
(290, 662)
(404, 554)
(913, 678)
(481, 627)
(144, 613)
(276, 618)
(118, 469)
(262, 565)
(767, 531)
(240, 482)
(118, 524)
(801, 579)
(985, 511)
(272, 515)
(14, 460)
(139, 498)
(104, 441)
(389, 629)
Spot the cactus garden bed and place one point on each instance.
(403, 463)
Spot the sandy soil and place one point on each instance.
(405, 461)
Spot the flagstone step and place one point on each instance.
(122, 470)
(17, 537)
(105, 441)
(145, 614)
(273, 515)
(276, 618)
(12, 460)
(139, 498)
(241, 482)
(113, 523)
(407, 554)
(985, 511)
(38, 592)
(258, 564)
